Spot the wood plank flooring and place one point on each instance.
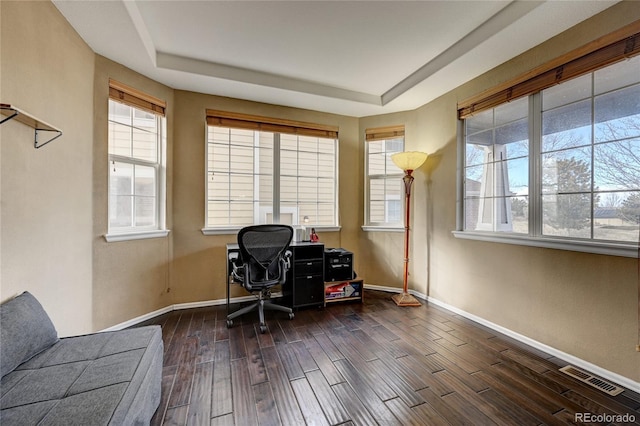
(365, 364)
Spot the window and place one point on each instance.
(590, 155)
(384, 193)
(496, 171)
(561, 165)
(136, 165)
(261, 171)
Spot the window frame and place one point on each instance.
(277, 127)
(382, 134)
(137, 100)
(535, 236)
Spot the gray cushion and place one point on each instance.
(26, 330)
(111, 378)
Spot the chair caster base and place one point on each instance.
(263, 328)
(291, 315)
(229, 323)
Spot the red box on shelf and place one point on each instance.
(343, 290)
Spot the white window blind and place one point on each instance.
(261, 170)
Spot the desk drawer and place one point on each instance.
(309, 290)
(308, 251)
(308, 267)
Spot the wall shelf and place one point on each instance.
(11, 112)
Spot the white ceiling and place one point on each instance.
(354, 58)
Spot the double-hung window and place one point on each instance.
(263, 170)
(559, 167)
(136, 164)
(383, 193)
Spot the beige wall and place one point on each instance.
(46, 211)
(199, 266)
(582, 304)
(53, 208)
(130, 278)
(382, 253)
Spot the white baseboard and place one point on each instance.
(394, 290)
(571, 359)
(138, 320)
(180, 306)
(578, 362)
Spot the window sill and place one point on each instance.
(606, 248)
(373, 228)
(136, 235)
(234, 230)
(221, 231)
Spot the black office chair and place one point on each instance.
(263, 263)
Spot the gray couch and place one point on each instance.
(110, 378)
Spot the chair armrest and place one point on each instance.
(285, 265)
(237, 272)
(287, 259)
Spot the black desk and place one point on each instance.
(305, 279)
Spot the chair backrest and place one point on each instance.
(261, 248)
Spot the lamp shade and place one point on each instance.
(409, 160)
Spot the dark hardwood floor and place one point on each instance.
(365, 364)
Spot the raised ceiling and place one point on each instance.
(354, 58)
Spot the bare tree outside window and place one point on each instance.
(586, 167)
(569, 209)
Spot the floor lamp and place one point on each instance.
(407, 161)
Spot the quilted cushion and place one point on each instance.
(25, 331)
(111, 378)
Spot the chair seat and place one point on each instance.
(257, 285)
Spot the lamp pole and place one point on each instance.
(406, 299)
(408, 181)
(407, 161)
